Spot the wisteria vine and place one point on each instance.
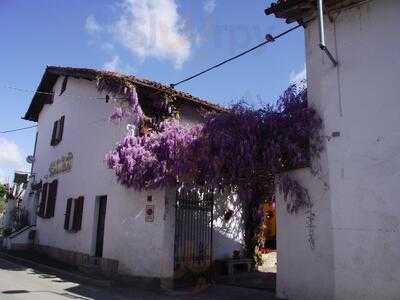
(242, 147)
(127, 105)
(245, 150)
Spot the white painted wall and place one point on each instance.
(303, 272)
(358, 221)
(88, 134)
(142, 249)
(30, 201)
(7, 214)
(227, 235)
(19, 240)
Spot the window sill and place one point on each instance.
(71, 230)
(44, 217)
(56, 144)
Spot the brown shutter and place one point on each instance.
(78, 213)
(68, 214)
(61, 129)
(43, 200)
(64, 85)
(49, 98)
(53, 135)
(51, 200)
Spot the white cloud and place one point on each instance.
(107, 47)
(11, 159)
(209, 6)
(153, 28)
(92, 26)
(298, 76)
(114, 64)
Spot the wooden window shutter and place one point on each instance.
(53, 135)
(51, 200)
(78, 213)
(68, 214)
(48, 98)
(60, 129)
(43, 200)
(64, 85)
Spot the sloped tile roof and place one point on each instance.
(52, 73)
(303, 10)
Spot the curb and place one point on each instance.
(70, 275)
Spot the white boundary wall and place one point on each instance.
(357, 222)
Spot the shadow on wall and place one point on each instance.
(228, 232)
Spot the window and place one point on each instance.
(58, 129)
(48, 201)
(73, 214)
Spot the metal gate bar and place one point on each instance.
(193, 229)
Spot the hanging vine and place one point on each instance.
(244, 149)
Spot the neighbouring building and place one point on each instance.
(354, 226)
(85, 217)
(15, 219)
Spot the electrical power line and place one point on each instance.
(10, 87)
(94, 122)
(18, 129)
(269, 39)
(25, 90)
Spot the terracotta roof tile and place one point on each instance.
(53, 72)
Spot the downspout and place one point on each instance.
(32, 181)
(34, 153)
(322, 43)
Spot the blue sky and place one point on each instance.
(163, 40)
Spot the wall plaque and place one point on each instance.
(61, 165)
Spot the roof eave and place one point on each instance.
(305, 10)
(36, 105)
(53, 72)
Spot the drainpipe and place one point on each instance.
(34, 153)
(322, 43)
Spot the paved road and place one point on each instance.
(18, 282)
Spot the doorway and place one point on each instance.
(101, 220)
(193, 232)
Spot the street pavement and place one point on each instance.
(18, 282)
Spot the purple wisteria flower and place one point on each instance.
(243, 148)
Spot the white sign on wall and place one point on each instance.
(61, 165)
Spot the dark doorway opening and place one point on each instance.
(100, 226)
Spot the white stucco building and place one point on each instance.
(87, 217)
(355, 196)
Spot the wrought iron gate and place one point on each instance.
(193, 229)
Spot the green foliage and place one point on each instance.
(3, 192)
(258, 259)
(2, 205)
